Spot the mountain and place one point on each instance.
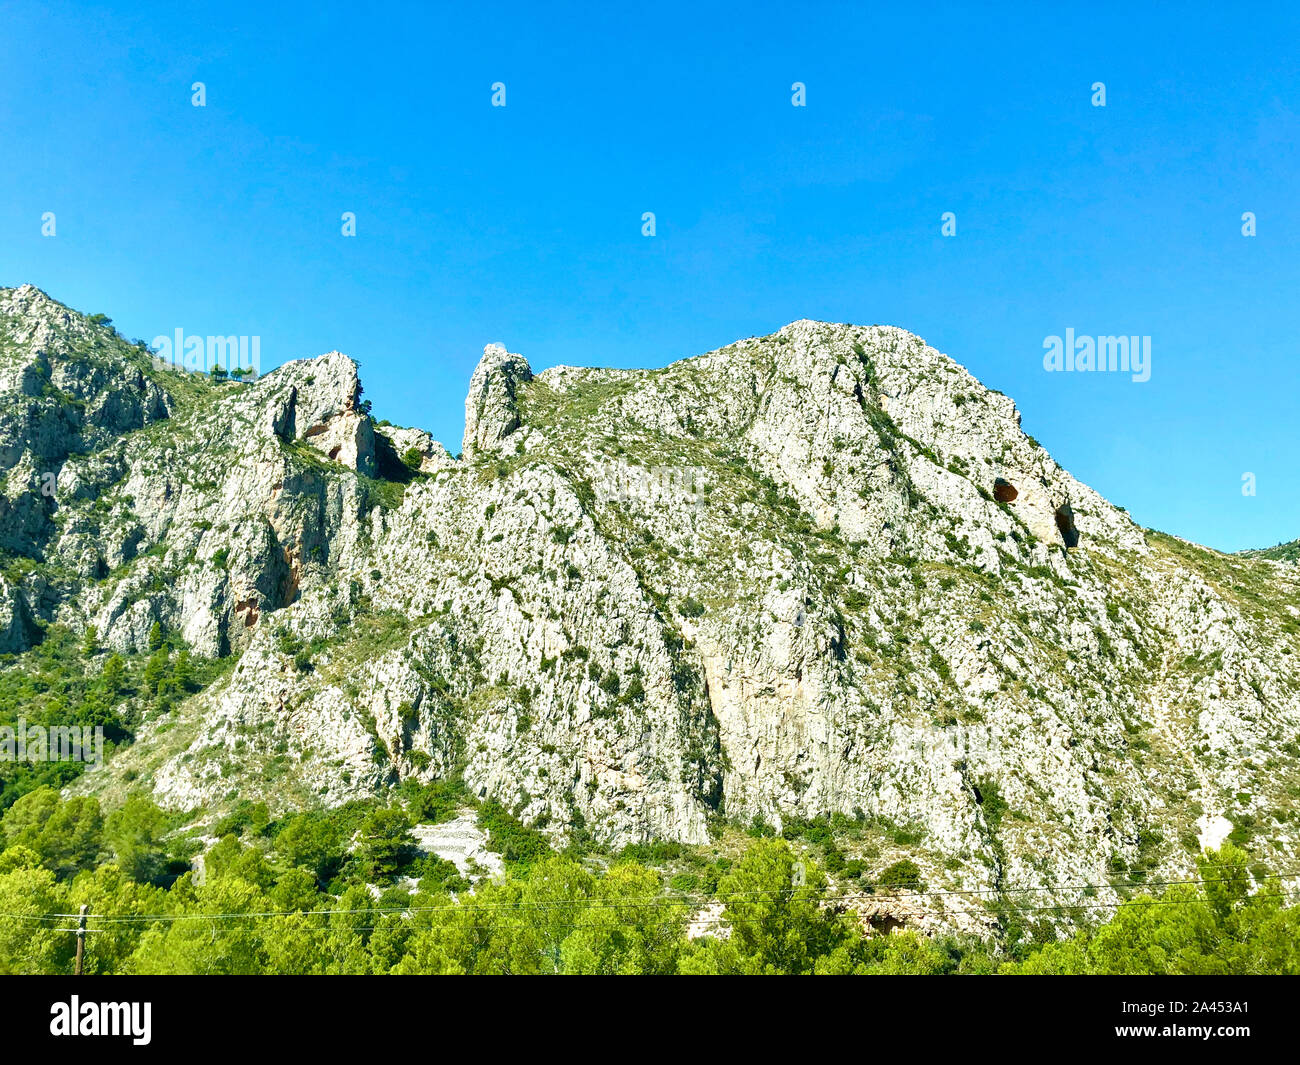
(1288, 552)
(819, 576)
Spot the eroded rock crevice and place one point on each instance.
(1065, 524)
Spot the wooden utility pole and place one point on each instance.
(81, 939)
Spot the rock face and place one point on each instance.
(65, 388)
(492, 408)
(818, 573)
(16, 632)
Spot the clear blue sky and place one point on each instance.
(523, 224)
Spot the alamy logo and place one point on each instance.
(239, 356)
(102, 1018)
(57, 743)
(1084, 353)
(630, 483)
(936, 746)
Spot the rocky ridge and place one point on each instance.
(821, 573)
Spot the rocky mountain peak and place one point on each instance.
(33, 306)
(491, 407)
(319, 401)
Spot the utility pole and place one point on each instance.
(81, 939)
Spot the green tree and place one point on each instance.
(29, 946)
(555, 895)
(385, 843)
(114, 674)
(295, 889)
(183, 672)
(155, 671)
(67, 835)
(481, 934)
(1218, 927)
(292, 945)
(134, 832)
(345, 942)
(124, 903)
(777, 923)
(436, 802)
(311, 841)
(630, 928)
(229, 946)
(230, 859)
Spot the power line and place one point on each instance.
(686, 899)
(697, 920)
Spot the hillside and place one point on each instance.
(816, 577)
(1288, 552)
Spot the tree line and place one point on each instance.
(330, 892)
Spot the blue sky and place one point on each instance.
(522, 224)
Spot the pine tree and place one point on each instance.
(114, 673)
(155, 670)
(183, 672)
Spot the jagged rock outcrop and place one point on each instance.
(64, 389)
(818, 573)
(491, 408)
(317, 401)
(15, 624)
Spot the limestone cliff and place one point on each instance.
(819, 572)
